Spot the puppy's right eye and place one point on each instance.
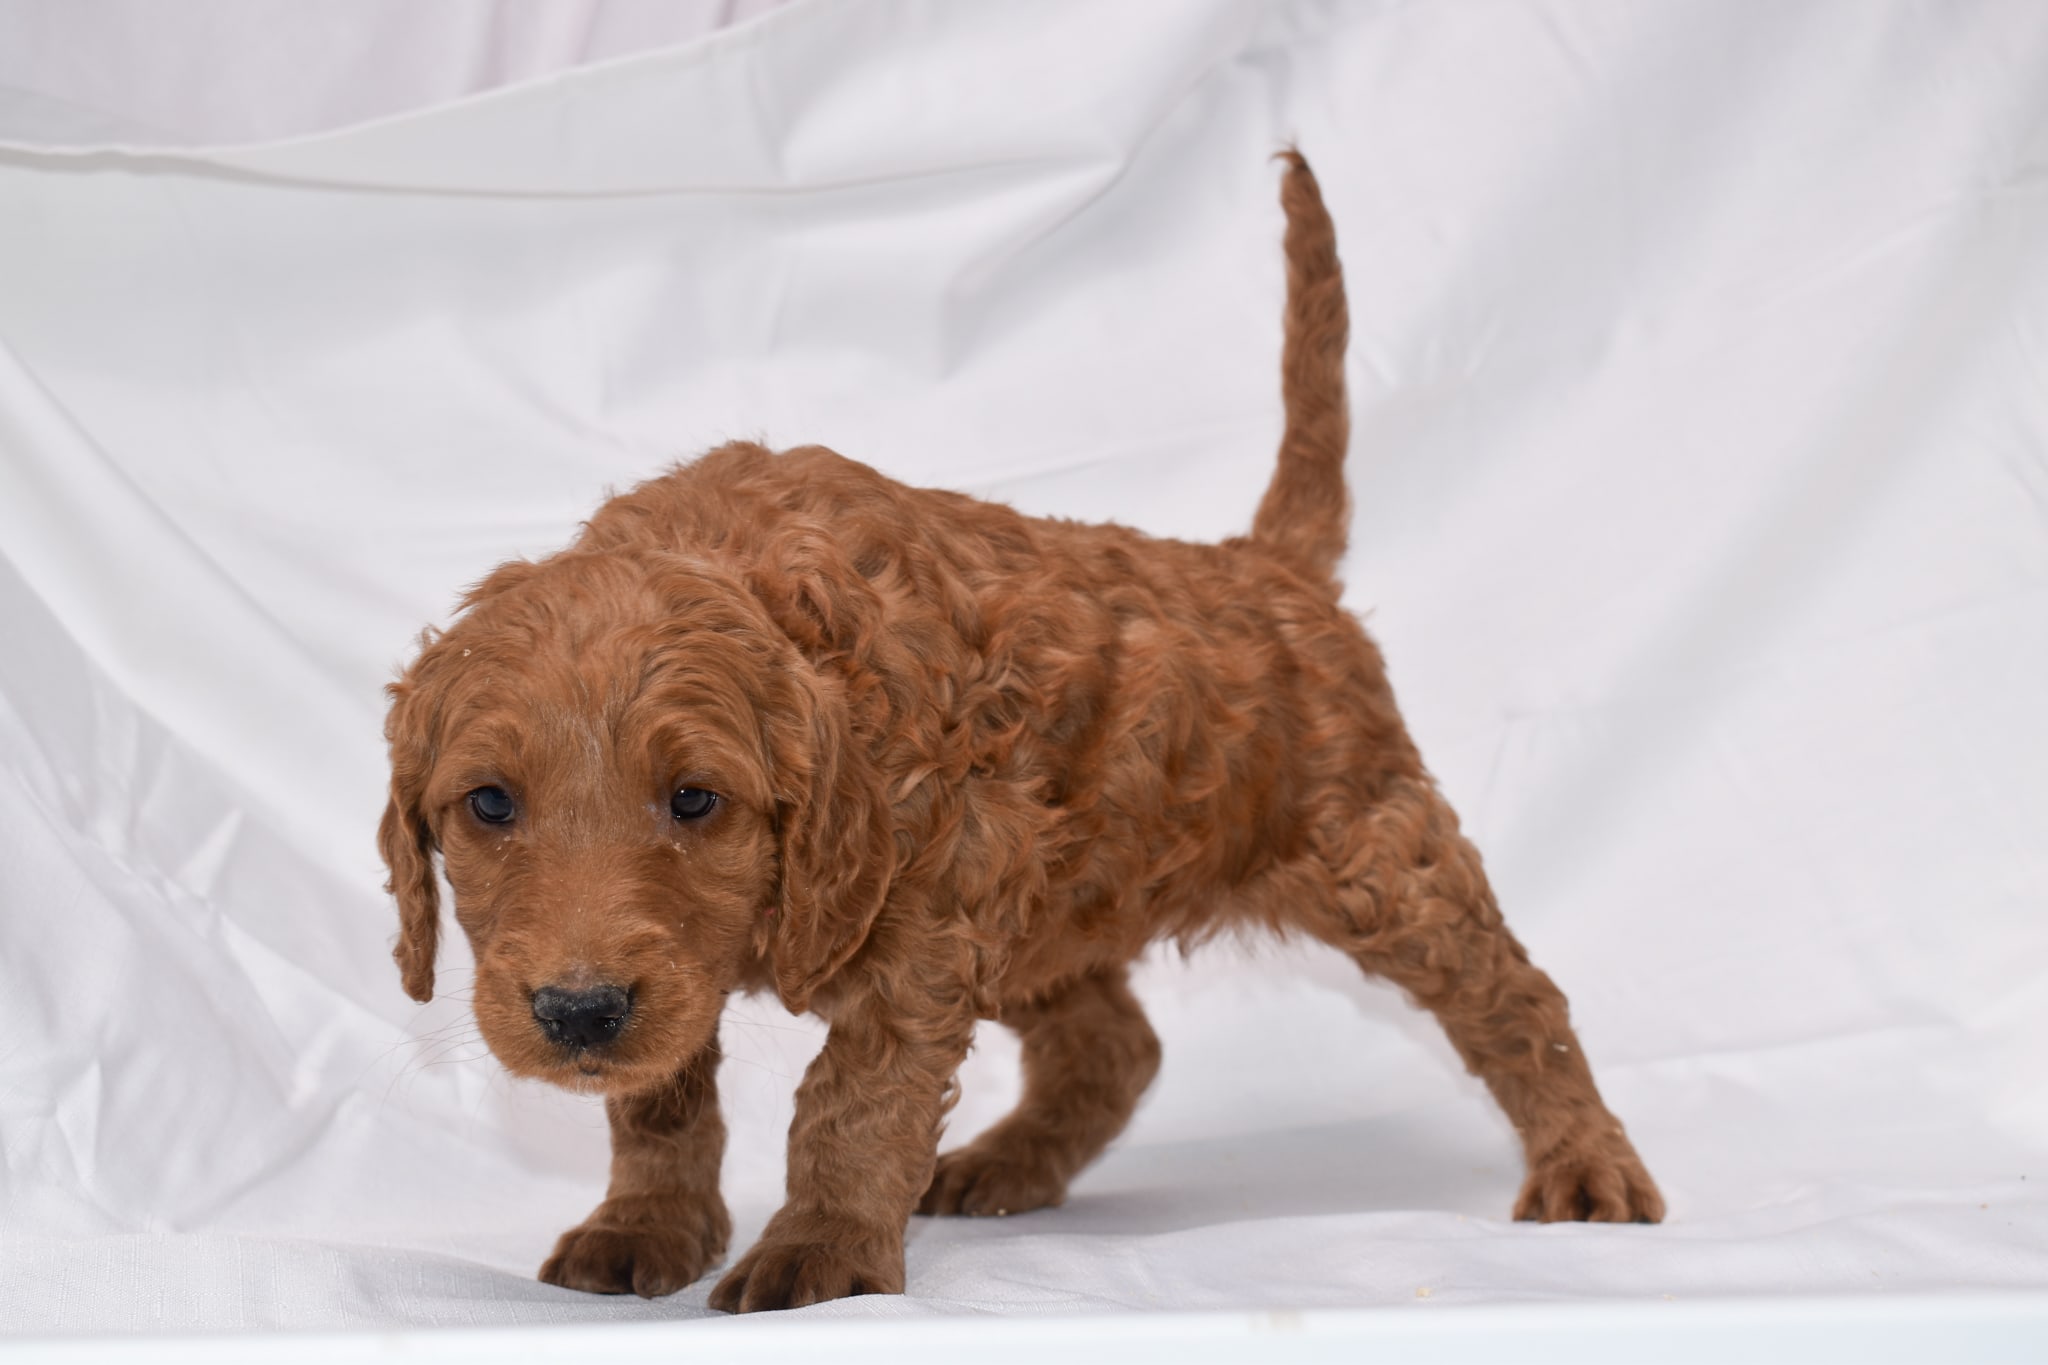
(492, 805)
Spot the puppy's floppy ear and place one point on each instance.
(406, 841)
(403, 835)
(837, 848)
(837, 838)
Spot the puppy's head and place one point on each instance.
(643, 797)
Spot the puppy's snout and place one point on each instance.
(581, 1018)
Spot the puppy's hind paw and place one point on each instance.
(982, 1184)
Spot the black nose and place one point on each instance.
(580, 1019)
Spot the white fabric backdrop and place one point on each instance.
(1700, 372)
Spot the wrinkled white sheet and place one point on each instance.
(1700, 375)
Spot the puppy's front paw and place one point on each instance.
(983, 1182)
(1590, 1181)
(648, 1246)
(791, 1274)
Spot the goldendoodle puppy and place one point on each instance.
(909, 760)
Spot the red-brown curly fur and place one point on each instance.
(968, 765)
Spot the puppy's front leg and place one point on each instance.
(861, 1151)
(662, 1223)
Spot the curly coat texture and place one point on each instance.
(965, 764)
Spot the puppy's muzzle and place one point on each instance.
(581, 1019)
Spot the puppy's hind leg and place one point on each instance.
(1088, 1056)
(1411, 904)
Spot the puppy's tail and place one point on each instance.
(1306, 514)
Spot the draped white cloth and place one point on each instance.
(1700, 379)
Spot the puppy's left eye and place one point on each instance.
(692, 803)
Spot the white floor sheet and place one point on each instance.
(1700, 379)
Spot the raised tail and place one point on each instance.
(1306, 514)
